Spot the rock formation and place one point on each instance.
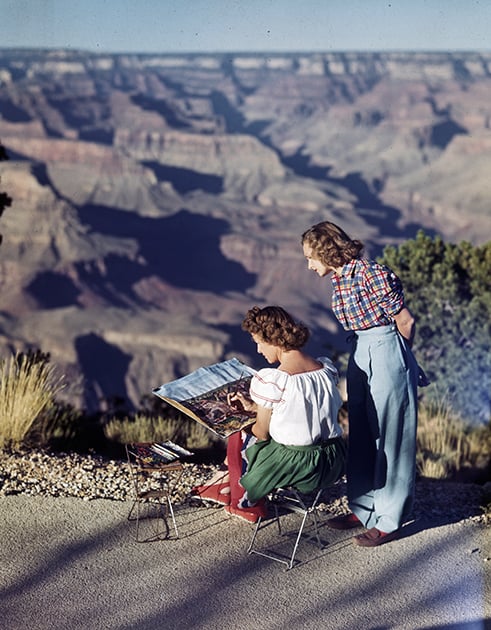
(157, 197)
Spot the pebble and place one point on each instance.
(90, 477)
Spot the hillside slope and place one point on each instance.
(157, 197)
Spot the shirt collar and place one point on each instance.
(349, 268)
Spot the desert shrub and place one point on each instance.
(28, 386)
(448, 446)
(149, 428)
(448, 289)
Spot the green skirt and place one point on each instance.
(271, 465)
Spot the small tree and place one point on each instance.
(448, 289)
(5, 200)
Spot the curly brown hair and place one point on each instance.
(277, 327)
(331, 245)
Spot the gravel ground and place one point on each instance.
(69, 560)
(93, 477)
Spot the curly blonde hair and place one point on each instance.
(277, 327)
(331, 245)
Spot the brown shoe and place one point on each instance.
(346, 521)
(374, 537)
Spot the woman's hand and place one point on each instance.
(260, 428)
(239, 401)
(405, 324)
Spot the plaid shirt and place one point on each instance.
(366, 295)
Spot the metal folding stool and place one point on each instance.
(290, 500)
(151, 494)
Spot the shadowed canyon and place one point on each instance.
(158, 197)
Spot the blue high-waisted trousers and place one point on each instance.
(382, 410)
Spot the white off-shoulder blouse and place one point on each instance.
(304, 406)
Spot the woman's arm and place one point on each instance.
(405, 324)
(261, 427)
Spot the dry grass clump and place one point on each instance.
(145, 428)
(28, 385)
(446, 445)
(29, 414)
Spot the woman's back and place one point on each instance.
(304, 405)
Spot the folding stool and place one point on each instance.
(288, 500)
(151, 493)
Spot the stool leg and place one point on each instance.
(256, 529)
(301, 505)
(171, 510)
(299, 535)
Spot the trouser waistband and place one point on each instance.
(377, 331)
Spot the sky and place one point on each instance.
(207, 26)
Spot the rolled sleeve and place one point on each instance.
(386, 289)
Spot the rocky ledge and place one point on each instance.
(91, 477)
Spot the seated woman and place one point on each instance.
(296, 439)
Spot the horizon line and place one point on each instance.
(245, 52)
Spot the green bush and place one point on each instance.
(448, 289)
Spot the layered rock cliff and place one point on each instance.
(157, 197)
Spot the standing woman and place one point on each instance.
(368, 301)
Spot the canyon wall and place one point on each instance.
(157, 197)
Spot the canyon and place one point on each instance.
(155, 198)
